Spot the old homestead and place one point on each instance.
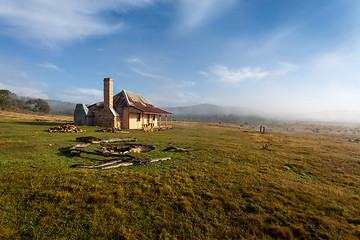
(126, 110)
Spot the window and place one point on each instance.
(153, 117)
(138, 117)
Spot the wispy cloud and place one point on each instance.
(148, 75)
(19, 82)
(223, 74)
(81, 95)
(175, 98)
(284, 68)
(50, 66)
(135, 61)
(24, 91)
(53, 22)
(195, 13)
(184, 84)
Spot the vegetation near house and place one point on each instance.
(9, 100)
(304, 185)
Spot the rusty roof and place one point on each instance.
(131, 99)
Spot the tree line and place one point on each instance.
(9, 100)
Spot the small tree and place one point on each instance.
(4, 97)
(39, 105)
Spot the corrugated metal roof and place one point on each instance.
(131, 99)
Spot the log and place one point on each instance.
(108, 163)
(120, 139)
(176, 149)
(78, 145)
(99, 153)
(124, 164)
(77, 151)
(159, 159)
(121, 163)
(91, 139)
(88, 139)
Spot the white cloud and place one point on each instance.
(54, 22)
(50, 66)
(194, 13)
(223, 74)
(81, 95)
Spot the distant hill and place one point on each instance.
(215, 113)
(211, 109)
(59, 107)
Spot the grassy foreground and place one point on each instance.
(236, 184)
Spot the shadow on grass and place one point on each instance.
(40, 123)
(64, 152)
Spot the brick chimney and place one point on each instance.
(108, 93)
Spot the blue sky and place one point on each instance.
(279, 56)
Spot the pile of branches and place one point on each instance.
(113, 130)
(68, 128)
(122, 160)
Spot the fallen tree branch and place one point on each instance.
(177, 149)
(91, 139)
(99, 153)
(78, 145)
(121, 163)
(121, 139)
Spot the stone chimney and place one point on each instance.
(108, 117)
(108, 93)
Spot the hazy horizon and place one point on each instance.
(285, 58)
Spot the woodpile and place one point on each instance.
(68, 128)
(113, 130)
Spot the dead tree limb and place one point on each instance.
(120, 139)
(91, 139)
(88, 139)
(77, 145)
(121, 163)
(177, 149)
(124, 164)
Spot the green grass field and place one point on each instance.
(235, 184)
